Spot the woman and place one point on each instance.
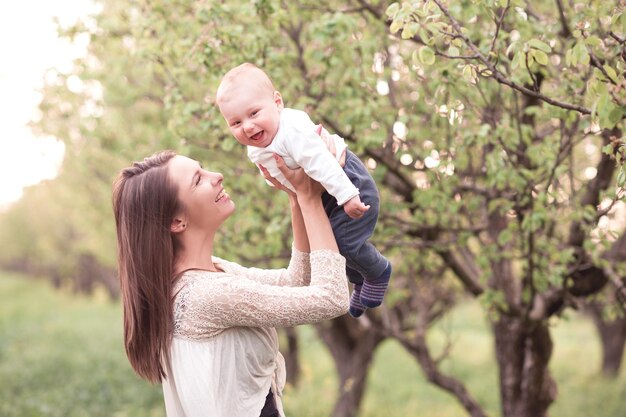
(201, 325)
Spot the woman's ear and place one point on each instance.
(178, 225)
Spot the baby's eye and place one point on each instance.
(254, 113)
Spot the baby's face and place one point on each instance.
(252, 113)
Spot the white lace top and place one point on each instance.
(224, 356)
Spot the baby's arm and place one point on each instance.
(312, 154)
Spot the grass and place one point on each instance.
(62, 355)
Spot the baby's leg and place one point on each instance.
(356, 308)
(373, 291)
(374, 267)
(353, 236)
(361, 255)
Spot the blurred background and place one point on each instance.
(494, 129)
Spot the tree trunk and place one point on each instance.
(613, 337)
(523, 352)
(292, 356)
(352, 345)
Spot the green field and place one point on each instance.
(63, 356)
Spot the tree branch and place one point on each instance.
(605, 169)
(499, 25)
(498, 76)
(419, 349)
(565, 31)
(374, 11)
(462, 262)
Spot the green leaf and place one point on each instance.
(415, 58)
(469, 74)
(582, 55)
(568, 58)
(505, 237)
(518, 59)
(611, 72)
(593, 41)
(454, 51)
(589, 213)
(395, 26)
(621, 178)
(615, 115)
(510, 48)
(410, 29)
(540, 45)
(426, 55)
(541, 57)
(392, 10)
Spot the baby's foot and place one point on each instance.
(356, 308)
(373, 292)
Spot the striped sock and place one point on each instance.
(373, 292)
(356, 308)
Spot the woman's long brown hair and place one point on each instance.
(145, 203)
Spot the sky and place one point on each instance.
(28, 47)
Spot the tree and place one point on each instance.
(537, 250)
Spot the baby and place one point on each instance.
(257, 118)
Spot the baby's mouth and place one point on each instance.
(257, 136)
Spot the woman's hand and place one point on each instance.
(304, 185)
(310, 221)
(330, 143)
(275, 183)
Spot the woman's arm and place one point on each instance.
(232, 300)
(311, 211)
(300, 236)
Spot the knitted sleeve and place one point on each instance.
(297, 274)
(209, 302)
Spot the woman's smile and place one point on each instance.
(222, 195)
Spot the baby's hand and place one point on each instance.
(355, 208)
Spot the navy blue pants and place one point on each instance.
(269, 409)
(363, 261)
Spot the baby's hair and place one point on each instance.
(247, 71)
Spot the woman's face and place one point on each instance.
(201, 192)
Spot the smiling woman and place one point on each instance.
(25, 159)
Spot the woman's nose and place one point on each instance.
(216, 177)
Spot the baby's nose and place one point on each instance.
(248, 126)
